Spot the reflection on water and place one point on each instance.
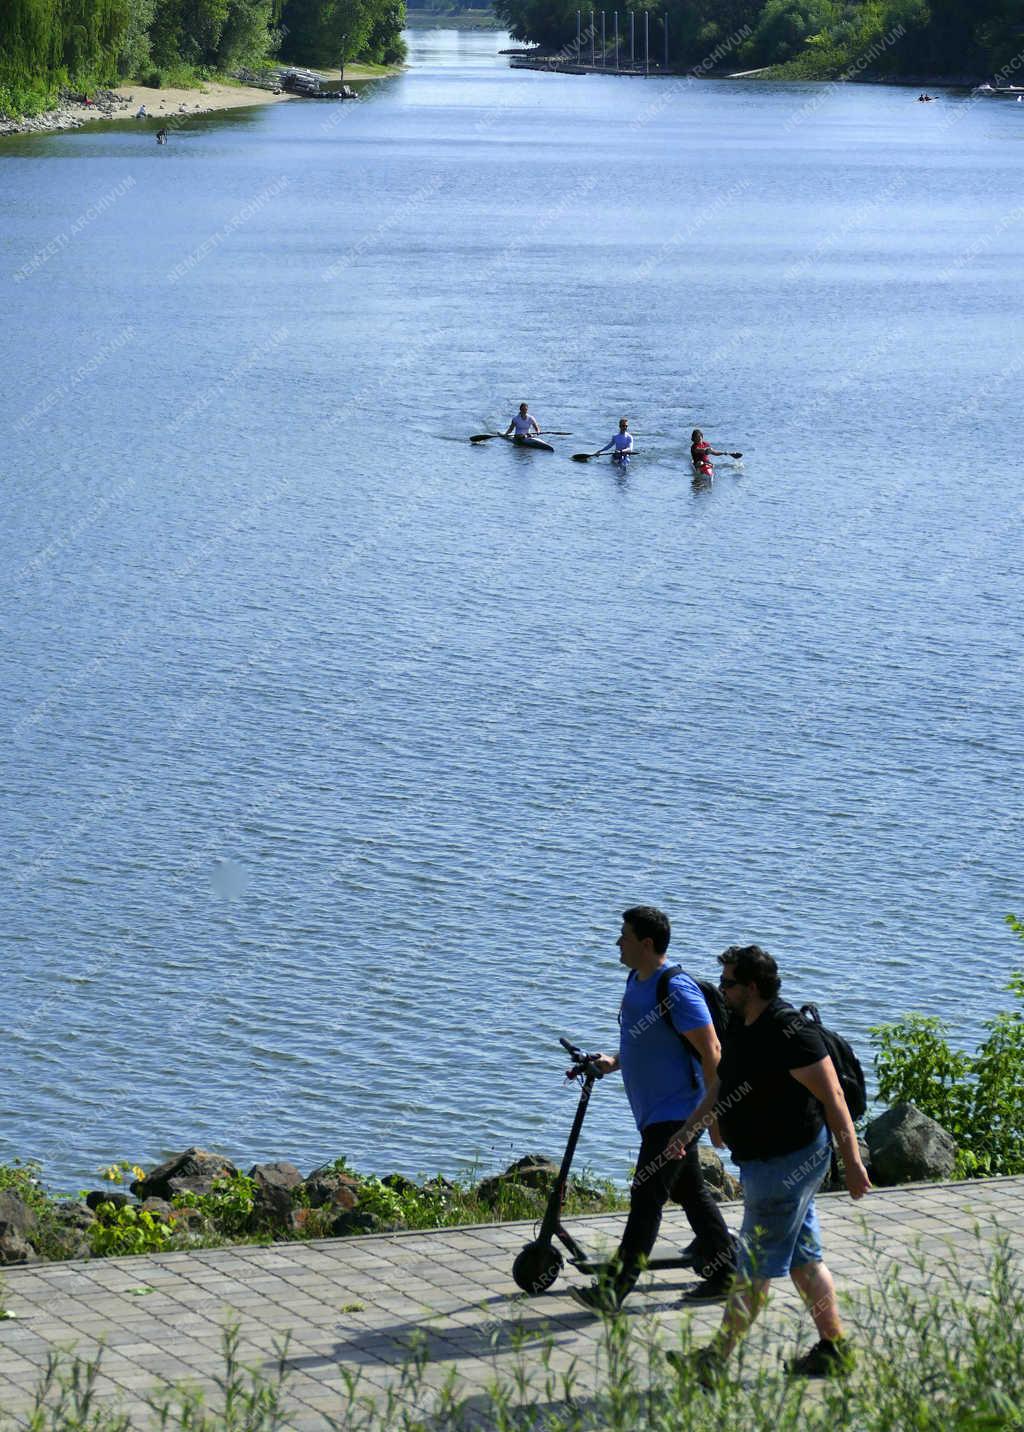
(336, 745)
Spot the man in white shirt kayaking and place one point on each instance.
(524, 423)
(622, 442)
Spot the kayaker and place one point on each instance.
(622, 442)
(701, 452)
(524, 423)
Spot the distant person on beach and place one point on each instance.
(668, 1055)
(776, 1097)
(140, 113)
(523, 423)
(622, 442)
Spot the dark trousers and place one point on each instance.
(658, 1179)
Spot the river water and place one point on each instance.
(335, 746)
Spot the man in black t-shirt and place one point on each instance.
(775, 1093)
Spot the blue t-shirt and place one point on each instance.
(662, 1080)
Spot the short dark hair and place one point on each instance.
(753, 966)
(647, 923)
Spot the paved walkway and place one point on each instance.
(354, 1304)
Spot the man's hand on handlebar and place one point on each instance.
(601, 1064)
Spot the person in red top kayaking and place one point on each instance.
(701, 453)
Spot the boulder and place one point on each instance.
(907, 1146)
(351, 1222)
(190, 1172)
(724, 1188)
(15, 1249)
(17, 1225)
(273, 1193)
(106, 1195)
(532, 1171)
(328, 1187)
(399, 1183)
(159, 1207)
(68, 1235)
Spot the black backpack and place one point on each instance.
(712, 998)
(851, 1075)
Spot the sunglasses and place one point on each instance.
(728, 984)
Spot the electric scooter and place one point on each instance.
(538, 1265)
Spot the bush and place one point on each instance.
(978, 1098)
(120, 1231)
(229, 1206)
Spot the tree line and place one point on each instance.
(82, 44)
(809, 39)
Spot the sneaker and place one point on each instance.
(711, 1290)
(704, 1364)
(595, 1298)
(689, 1256)
(825, 1359)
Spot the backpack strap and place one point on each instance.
(663, 1006)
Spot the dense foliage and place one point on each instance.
(978, 1097)
(811, 38)
(81, 44)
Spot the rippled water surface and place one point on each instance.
(334, 745)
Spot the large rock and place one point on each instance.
(273, 1193)
(724, 1188)
(331, 1188)
(18, 1223)
(190, 1172)
(106, 1195)
(907, 1146)
(68, 1235)
(531, 1171)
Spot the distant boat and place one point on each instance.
(997, 92)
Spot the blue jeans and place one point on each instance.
(780, 1224)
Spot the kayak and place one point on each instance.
(704, 468)
(620, 459)
(530, 442)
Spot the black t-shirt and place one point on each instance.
(765, 1112)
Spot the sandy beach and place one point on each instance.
(124, 102)
(167, 104)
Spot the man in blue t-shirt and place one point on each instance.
(665, 1077)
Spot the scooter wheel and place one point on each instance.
(537, 1267)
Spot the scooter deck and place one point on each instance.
(595, 1266)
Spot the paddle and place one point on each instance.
(586, 456)
(485, 437)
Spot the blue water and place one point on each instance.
(335, 746)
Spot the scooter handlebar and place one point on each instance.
(582, 1063)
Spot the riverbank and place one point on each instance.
(124, 102)
(483, 19)
(175, 103)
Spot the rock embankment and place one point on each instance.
(72, 111)
(198, 1198)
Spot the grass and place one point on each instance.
(937, 1349)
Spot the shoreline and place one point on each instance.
(173, 104)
